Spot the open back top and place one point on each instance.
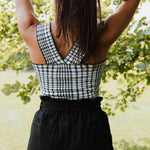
(65, 78)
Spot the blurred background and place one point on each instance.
(125, 84)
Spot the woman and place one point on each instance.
(68, 55)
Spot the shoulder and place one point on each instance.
(30, 37)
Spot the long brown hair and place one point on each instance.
(80, 15)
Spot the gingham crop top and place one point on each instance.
(64, 78)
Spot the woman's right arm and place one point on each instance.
(116, 23)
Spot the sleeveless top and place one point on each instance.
(65, 78)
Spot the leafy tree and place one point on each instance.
(128, 60)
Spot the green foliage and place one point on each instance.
(24, 90)
(128, 60)
(8, 88)
(28, 89)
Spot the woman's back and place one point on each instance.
(65, 77)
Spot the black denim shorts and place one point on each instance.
(62, 124)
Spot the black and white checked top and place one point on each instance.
(65, 78)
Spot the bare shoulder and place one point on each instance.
(30, 37)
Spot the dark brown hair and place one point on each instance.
(80, 15)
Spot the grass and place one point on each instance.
(130, 129)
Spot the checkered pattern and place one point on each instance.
(65, 78)
(49, 50)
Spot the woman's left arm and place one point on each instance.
(26, 16)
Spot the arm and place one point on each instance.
(116, 23)
(26, 17)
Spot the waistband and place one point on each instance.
(55, 104)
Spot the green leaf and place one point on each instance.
(129, 55)
(31, 77)
(147, 31)
(131, 75)
(7, 89)
(26, 99)
(117, 2)
(142, 66)
(15, 87)
(148, 82)
(120, 81)
(115, 76)
(6, 92)
(148, 79)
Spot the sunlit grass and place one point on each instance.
(130, 129)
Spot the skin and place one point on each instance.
(114, 26)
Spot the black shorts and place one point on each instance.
(62, 124)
